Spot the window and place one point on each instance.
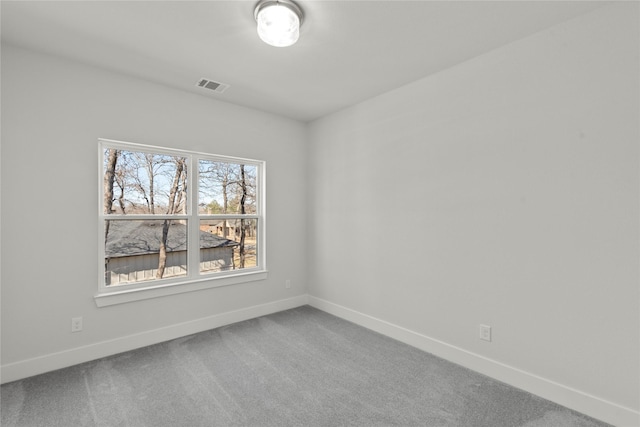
(170, 217)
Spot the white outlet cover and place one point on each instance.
(76, 324)
(485, 333)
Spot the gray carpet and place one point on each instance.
(300, 367)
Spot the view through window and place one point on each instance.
(173, 216)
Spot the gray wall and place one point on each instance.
(53, 112)
(502, 191)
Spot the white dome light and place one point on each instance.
(278, 22)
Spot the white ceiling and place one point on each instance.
(348, 51)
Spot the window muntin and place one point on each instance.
(161, 225)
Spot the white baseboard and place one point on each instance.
(563, 395)
(566, 396)
(50, 362)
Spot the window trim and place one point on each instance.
(194, 280)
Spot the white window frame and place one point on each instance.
(194, 280)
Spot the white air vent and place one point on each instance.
(211, 85)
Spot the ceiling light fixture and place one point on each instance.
(278, 21)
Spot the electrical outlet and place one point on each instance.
(485, 333)
(76, 324)
(287, 283)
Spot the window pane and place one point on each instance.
(144, 250)
(226, 188)
(143, 183)
(228, 244)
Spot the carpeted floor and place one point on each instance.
(300, 367)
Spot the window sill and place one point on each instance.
(130, 295)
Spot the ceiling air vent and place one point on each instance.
(211, 85)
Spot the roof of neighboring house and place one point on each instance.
(142, 237)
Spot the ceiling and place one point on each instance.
(348, 51)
